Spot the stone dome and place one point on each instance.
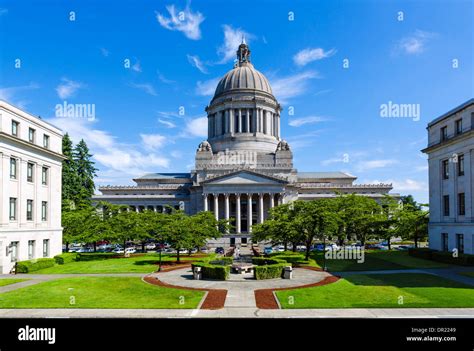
(244, 76)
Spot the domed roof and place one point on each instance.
(243, 76)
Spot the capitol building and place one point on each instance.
(244, 168)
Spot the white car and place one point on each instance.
(150, 246)
(130, 250)
(118, 250)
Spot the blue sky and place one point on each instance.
(149, 115)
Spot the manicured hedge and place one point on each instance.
(442, 256)
(66, 258)
(34, 265)
(260, 261)
(285, 253)
(269, 271)
(222, 261)
(295, 259)
(210, 271)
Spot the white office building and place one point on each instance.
(30, 187)
(451, 184)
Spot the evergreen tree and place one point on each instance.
(70, 184)
(85, 173)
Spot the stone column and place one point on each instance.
(260, 208)
(216, 206)
(206, 205)
(278, 125)
(231, 122)
(239, 130)
(272, 200)
(216, 120)
(249, 213)
(248, 120)
(209, 126)
(237, 209)
(227, 216)
(257, 120)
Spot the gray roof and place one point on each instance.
(165, 176)
(451, 112)
(325, 175)
(243, 77)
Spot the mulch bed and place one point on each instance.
(215, 298)
(266, 300)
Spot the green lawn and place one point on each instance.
(136, 264)
(103, 292)
(381, 291)
(378, 260)
(8, 281)
(468, 274)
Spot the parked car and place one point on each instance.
(267, 250)
(130, 250)
(279, 248)
(301, 248)
(204, 249)
(85, 250)
(330, 247)
(405, 247)
(150, 246)
(118, 250)
(220, 250)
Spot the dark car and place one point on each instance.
(220, 250)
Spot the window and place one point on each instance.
(444, 133)
(12, 208)
(45, 247)
(46, 141)
(31, 249)
(446, 205)
(458, 126)
(44, 175)
(460, 243)
(13, 168)
(15, 125)
(29, 210)
(460, 165)
(14, 251)
(44, 210)
(29, 172)
(445, 169)
(461, 204)
(31, 135)
(444, 241)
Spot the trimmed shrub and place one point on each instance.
(261, 261)
(210, 271)
(66, 258)
(270, 271)
(295, 259)
(423, 252)
(222, 261)
(34, 265)
(285, 253)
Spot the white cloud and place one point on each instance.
(197, 127)
(147, 88)
(333, 160)
(207, 88)
(153, 142)
(308, 55)
(165, 80)
(137, 67)
(298, 122)
(232, 40)
(363, 166)
(104, 52)
(168, 124)
(10, 94)
(414, 44)
(195, 61)
(117, 162)
(68, 88)
(185, 21)
(291, 86)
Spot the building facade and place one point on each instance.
(451, 184)
(30, 191)
(244, 168)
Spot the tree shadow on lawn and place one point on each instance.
(405, 280)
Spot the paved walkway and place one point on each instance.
(242, 313)
(240, 288)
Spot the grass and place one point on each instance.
(95, 292)
(378, 260)
(8, 281)
(105, 264)
(382, 291)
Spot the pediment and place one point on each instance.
(244, 178)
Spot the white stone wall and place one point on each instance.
(21, 229)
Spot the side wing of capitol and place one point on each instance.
(244, 168)
(451, 180)
(30, 191)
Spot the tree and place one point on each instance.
(86, 172)
(388, 219)
(413, 223)
(123, 225)
(70, 181)
(74, 225)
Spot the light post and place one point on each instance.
(159, 264)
